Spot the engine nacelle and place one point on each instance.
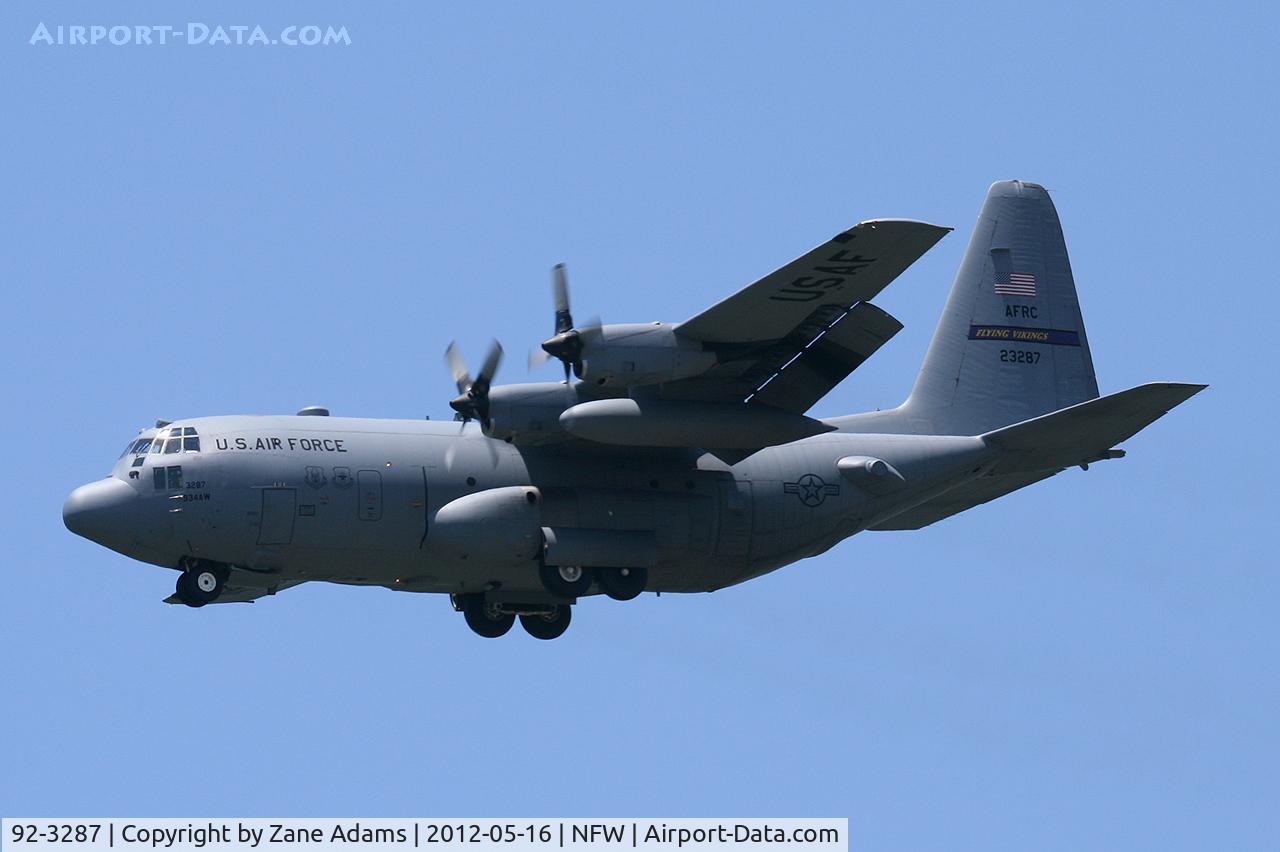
(495, 527)
(528, 414)
(625, 355)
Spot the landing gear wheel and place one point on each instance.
(200, 583)
(486, 619)
(208, 582)
(622, 584)
(566, 581)
(187, 591)
(547, 625)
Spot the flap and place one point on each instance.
(829, 359)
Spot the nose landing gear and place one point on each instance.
(200, 582)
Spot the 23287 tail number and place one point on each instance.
(1019, 356)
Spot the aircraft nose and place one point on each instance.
(103, 512)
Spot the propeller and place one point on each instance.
(569, 341)
(472, 401)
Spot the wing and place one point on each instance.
(790, 337)
(236, 593)
(796, 333)
(851, 267)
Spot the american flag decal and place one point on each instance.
(1016, 284)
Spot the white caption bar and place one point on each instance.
(330, 835)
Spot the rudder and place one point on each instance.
(1011, 343)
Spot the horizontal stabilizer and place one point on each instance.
(1084, 432)
(1039, 448)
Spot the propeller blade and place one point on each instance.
(592, 331)
(537, 357)
(472, 401)
(560, 292)
(492, 359)
(457, 368)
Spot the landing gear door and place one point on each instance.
(279, 505)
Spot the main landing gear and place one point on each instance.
(548, 618)
(549, 623)
(573, 581)
(200, 582)
(491, 619)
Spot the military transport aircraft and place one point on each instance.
(681, 460)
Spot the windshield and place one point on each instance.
(175, 439)
(138, 446)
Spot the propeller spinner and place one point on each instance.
(472, 401)
(568, 342)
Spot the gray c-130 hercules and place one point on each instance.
(681, 460)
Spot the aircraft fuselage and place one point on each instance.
(286, 499)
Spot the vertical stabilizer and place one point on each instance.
(1011, 344)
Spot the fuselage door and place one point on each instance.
(279, 505)
(369, 483)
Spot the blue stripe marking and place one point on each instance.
(1017, 334)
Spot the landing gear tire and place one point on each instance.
(199, 585)
(547, 625)
(486, 619)
(622, 584)
(566, 581)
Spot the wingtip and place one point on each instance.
(1191, 387)
(872, 223)
(937, 232)
(1181, 391)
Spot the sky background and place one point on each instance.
(191, 230)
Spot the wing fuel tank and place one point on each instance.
(663, 423)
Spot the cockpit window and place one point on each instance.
(176, 439)
(137, 446)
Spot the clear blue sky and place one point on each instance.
(1091, 663)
